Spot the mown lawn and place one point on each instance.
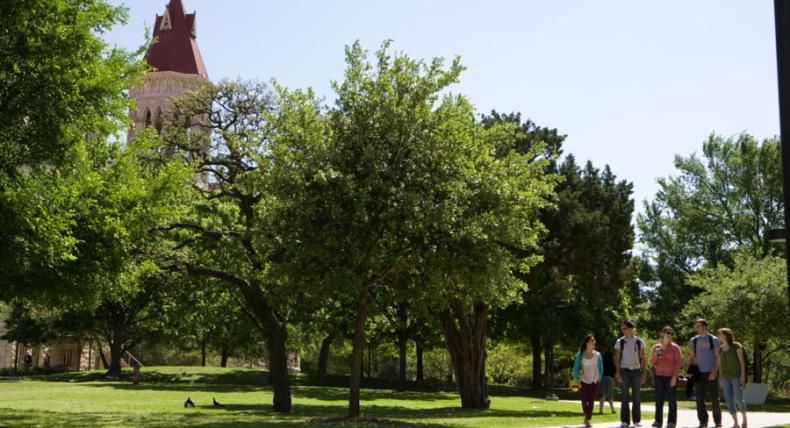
(84, 399)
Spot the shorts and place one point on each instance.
(606, 388)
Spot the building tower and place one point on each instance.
(177, 63)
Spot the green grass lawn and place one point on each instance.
(84, 399)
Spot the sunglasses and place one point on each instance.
(669, 333)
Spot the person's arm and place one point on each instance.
(576, 368)
(643, 363)
(717, 362)
(617, 377)
(692, 356)
(676, 357)
(600, 367)
(653, 356)
(743, 365)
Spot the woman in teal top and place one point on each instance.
(588, 371)
(732, 374)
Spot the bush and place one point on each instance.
(508, 364)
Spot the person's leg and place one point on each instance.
(661, 386)
(699, 390)
(625, 412)
(713, 386)
(610, 392)
(740, 403)
(729, 395)
(589, 398)
(673, 404)
(636, 399)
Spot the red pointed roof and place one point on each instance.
(175, 47)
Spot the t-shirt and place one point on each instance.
(730, 364)
(590, 367)
(705, 358)
(630, 356)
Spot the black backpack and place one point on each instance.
(710, 341)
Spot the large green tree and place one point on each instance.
(749, 297)
(106, 199)
(403, 179)
(719, 203)
(59, 79)
(229, 234)
(586, 251)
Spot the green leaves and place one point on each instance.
(59, 80)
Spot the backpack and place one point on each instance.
(710, 340)
(638, 346)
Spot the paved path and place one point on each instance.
(687, 418)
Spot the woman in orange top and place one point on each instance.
(665, 358)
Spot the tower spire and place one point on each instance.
(175, 46)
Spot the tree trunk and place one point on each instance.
(224, 354)
(278, 369)
(104, 362)
(403, 342)
(116, 353)
(537, 375)
(757, 361)
(358, 350)
(323, 356)
(272, 327)
(466, 341)
(203, 353)
(420, 377)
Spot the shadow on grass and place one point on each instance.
(323, 412)
(18, 418)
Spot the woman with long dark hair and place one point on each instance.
(588, 372)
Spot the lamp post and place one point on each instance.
(782, 22)
(558, 304)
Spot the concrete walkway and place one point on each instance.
(687, 418)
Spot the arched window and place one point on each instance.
(147, 118)
(158, 120)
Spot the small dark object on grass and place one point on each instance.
(189, 403)
(216, 404)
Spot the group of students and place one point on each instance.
(713, 360)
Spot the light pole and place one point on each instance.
(782, 22)
(558, 304)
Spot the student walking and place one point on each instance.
(665, 358)
(629, 359)
(606, 386)
(704, 353)
(588, 371)
(732, 373)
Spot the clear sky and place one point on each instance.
(631, 83)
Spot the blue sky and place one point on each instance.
(630, 83)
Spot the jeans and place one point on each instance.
(666, 392)
(588, 398)
(632, 381)
(701, 385)
(733, 394)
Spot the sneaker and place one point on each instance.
(623, 425)
(656, 425)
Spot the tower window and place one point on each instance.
(166, 24)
